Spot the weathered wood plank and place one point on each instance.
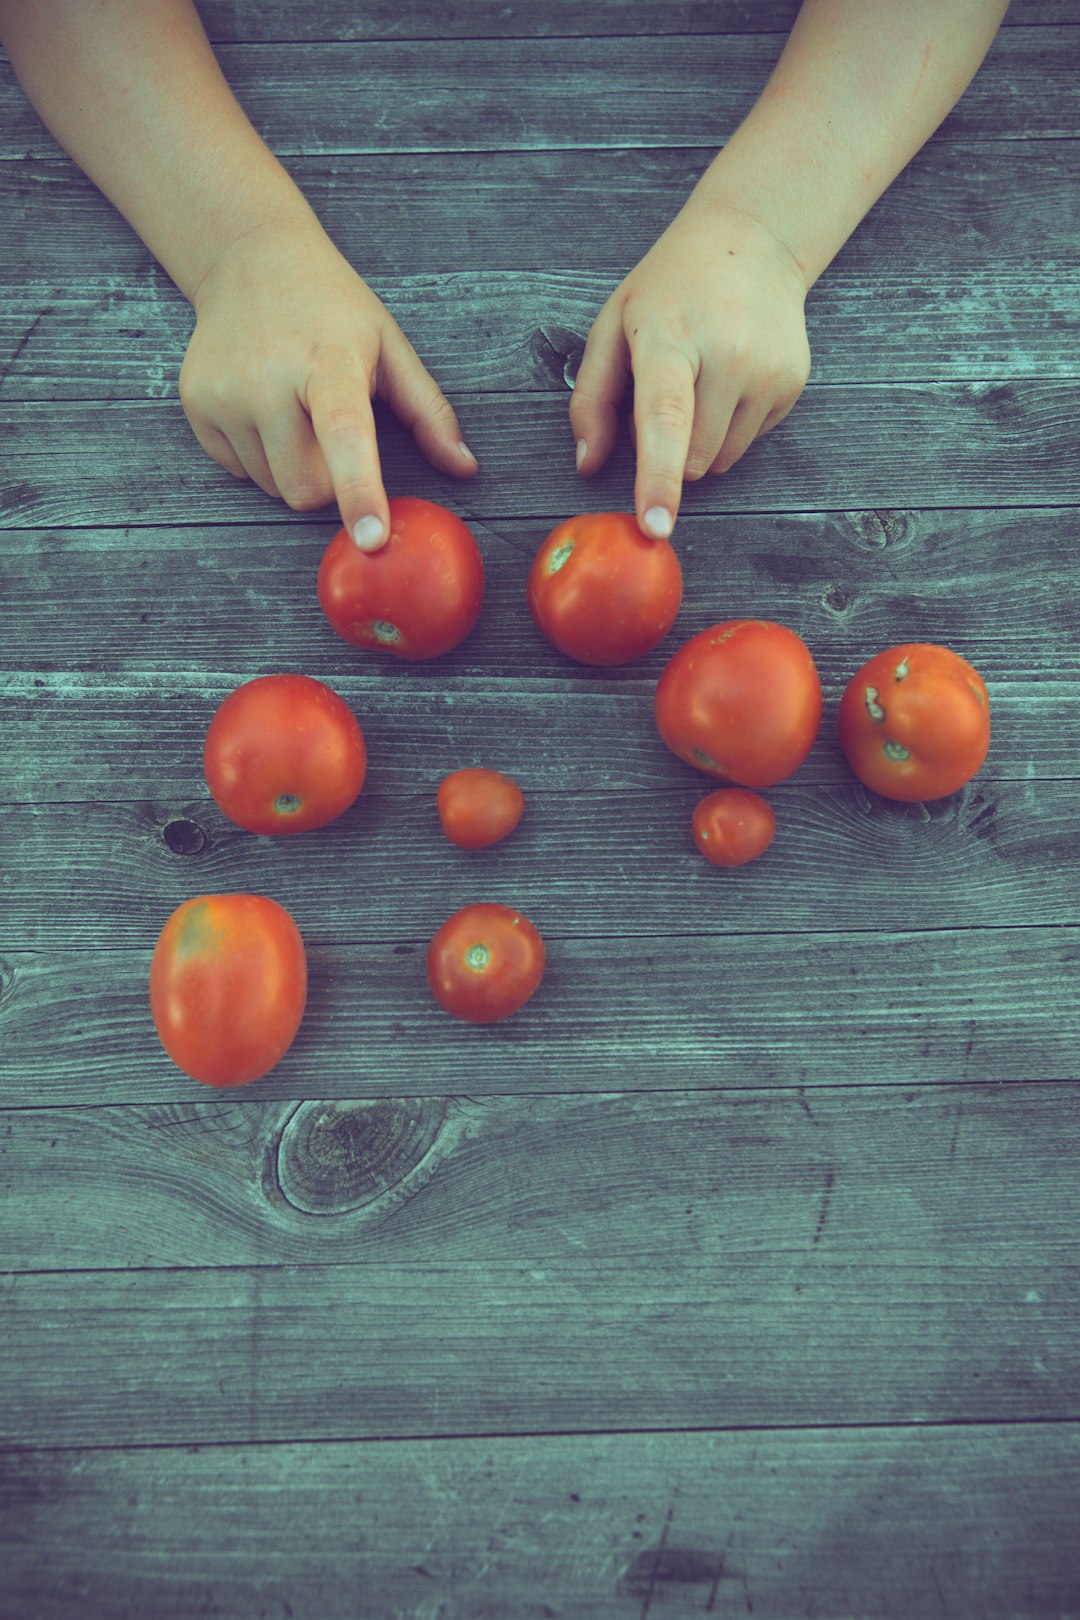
(898, 1523)
(527, 95)
(493, 333)
(870, 1178)
(235, 597)
(233, 21)
(497, 1347)
(599, 862)
(705, 1010)
(974, 444)
(962, 213)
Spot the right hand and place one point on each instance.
(290, 346)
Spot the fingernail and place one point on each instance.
(368, 533)
(466, 452)
(582, 452)
(659, 522)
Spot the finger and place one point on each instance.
(338, 401)
(416, 398)
(296, 461)
(714, 406)
(248, 447)
(746, 425)
(776, 415)
(664, 378)
(599, 385)
(217, 446)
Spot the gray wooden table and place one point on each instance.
(737, 1273)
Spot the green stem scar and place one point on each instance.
(896, 751)
(903, 668)
(385, 632)
(873, 707)
(560, 556)
(477, 957)
(287, 804)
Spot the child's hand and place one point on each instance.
(710, 326)
(289, 348)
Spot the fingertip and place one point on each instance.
(657, 522)
(369, 533)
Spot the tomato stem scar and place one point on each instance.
(287, 804)
(383, 631)
(903, 668)
(873, 707)
(477, 957)
(704, 759)
(896, 751)
(560, 556)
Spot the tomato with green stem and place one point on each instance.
(485, 962)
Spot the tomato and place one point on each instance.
(478, 808)
(228, 984)
(418, 596)
(741, 700)
(485, 962)
(733, 826)
(914, 722)
(601, 592)
(284, 754)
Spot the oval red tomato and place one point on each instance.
(741, 700)
(284, 754)
(601, 592)
(914, 722)
(419, 596)
(485, 962)
(228, 986)
(733, 826)
(478, 807)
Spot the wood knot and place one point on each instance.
(7, 981)
(334, 1157)
(837, 599)
(556, 354)
(184, 837)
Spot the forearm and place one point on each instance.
(133, 92)
(859, 88)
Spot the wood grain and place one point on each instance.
(856, 1176)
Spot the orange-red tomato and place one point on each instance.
(485, 962)
(733, 826)
(228, 985)
(601, 592)
(914, 722)
(419, 596)
(284, 754)
(478, 807)
(741, 700)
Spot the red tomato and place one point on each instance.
(485, 962)
(741, 700)
(478, 808)
(418, 596)
(733, 826)
(914, 722)
(601, 592)
(228, 984)
(284, 754)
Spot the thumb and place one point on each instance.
(417, 400)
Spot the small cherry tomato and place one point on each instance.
(228, 986)
(419, 596)
(914, 722)
(741, 700)
(485, 962)
(733, 826)
(284, 754)
(601, 592)
(478, 808)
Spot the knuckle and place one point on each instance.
(669, 410)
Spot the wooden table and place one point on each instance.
(738, 1272)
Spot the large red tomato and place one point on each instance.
(284, 754)
(418, 596)
(601, 592)
(741, 700)
(478, 807)
(485, 962)
(914, 722)
(228, 985)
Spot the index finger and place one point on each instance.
(663, 422)
(339, 404)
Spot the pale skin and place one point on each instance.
(290, 345)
